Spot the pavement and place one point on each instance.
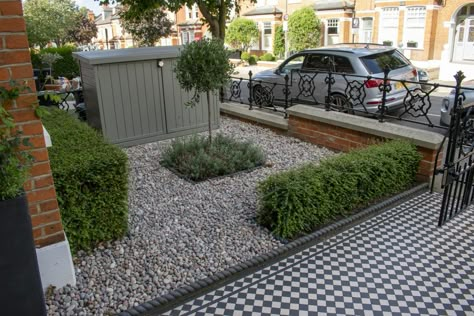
(399, 262)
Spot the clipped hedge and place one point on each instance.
(245, 56)
(268, 57)
(297, 201)
(91, 178)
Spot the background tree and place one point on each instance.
(48, 20)
(241, 33)
(83, 30)
(215, 13)
(279, 42)
(148, 27)
(304, 29)
(203, 66)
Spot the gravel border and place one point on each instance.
(188, 292)
(179, 232)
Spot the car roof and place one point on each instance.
(358, 49)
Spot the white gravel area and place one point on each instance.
(178, 232)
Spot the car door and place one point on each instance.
(291, 67)
(310, 81)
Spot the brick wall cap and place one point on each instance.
(422, 138)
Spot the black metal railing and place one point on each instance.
(384, 98)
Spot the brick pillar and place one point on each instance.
(15, 64)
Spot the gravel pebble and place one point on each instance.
(178, 232)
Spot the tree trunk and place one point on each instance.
(209, 116)
(215, 23)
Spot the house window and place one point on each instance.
(333, 26)
(366, 30)
(389, 25)
(192, 13)
(187, 37)
(414, 27)
(267, 36)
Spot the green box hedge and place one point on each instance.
(297, 201)
(91, 179)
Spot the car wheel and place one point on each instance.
(341, 104)
(261, 96)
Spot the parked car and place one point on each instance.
(448, 102)
(364, 60)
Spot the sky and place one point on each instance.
(90, 4)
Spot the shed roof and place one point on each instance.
(129, 54)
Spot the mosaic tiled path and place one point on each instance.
(399, 262)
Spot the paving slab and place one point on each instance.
(399, 262)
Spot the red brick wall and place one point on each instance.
(15, 64)
(343, 139)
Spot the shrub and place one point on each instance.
(90, 176)
(279, 41)
(65, 67)
(267, 57)
(253, 60)
(195, 159)
(299, 200)
(245, 56)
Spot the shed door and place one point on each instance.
(178, 116)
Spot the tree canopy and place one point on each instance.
(279, 41)
(215, 12)
(304, 29)
(83, 30)
(48, 20)
(148, 27)
(241, 33)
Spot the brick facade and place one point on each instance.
(344, 139)
(15, 64)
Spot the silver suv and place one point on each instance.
(307, 72)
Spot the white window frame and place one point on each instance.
(193, 11)
(264, 24)
(387, 15)
(363, 30)
(411, 24)
(331, 23)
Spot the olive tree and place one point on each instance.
(203, 66)
(304, 29)
(241, 33)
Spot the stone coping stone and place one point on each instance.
(421, 138)
(255, 115)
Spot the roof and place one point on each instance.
(265, 10)
(321, 5)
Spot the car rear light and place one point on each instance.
(374, 83)
(415, 74)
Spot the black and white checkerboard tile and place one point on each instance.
(399, 262)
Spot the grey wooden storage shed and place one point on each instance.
(133, 96)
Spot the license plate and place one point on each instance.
(398, 86)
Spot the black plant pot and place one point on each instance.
(21, 292)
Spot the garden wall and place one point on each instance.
(15, 64)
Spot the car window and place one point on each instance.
(376, 63)
(317, 62)
(292, 64)
(343, 64)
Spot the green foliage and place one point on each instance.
(245, 56)
(67, 66)
(90, 176)
(279, 41)
(253, 60)
(304, 29)
(241, 33)
(14, 163)
(147, 28)
(82, 30)
(196, 159)
(203, 66)
(297, 201)
(267, 57)
(48, 20)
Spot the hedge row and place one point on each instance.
(91, 177)
(297, 201)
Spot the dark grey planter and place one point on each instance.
(21, 292)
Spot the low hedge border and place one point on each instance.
(298, 201)
(91, 180)
(194, 290)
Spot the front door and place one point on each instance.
(464, 43)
